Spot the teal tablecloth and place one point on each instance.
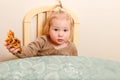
(60, 68)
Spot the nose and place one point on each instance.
(60, 34)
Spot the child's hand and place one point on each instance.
(12, 49)
(13, 44)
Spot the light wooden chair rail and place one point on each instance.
(38, 13)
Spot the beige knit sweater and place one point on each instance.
(43, 47)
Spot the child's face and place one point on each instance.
(59, 31)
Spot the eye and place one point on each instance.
(65, 30)
(55, 29)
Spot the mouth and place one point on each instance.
(60, 40)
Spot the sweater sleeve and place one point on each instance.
(32, 48)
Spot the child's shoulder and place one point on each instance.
(43, 37)
(71, 44)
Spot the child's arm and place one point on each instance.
(30, 50)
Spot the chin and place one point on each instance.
(58, 43)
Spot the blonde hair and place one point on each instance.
(56, 14)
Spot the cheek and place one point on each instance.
(67, 35)
(52, 33)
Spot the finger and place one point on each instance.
(9, 46)
(17, 50)
(6, 44)
(12, 50)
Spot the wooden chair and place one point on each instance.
(40, 15)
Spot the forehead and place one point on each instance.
(60, 18)
(60, 22)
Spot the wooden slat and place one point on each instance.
(26, 32)
(39, 24)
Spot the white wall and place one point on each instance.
(99, 28)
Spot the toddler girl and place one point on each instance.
(56, 39)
